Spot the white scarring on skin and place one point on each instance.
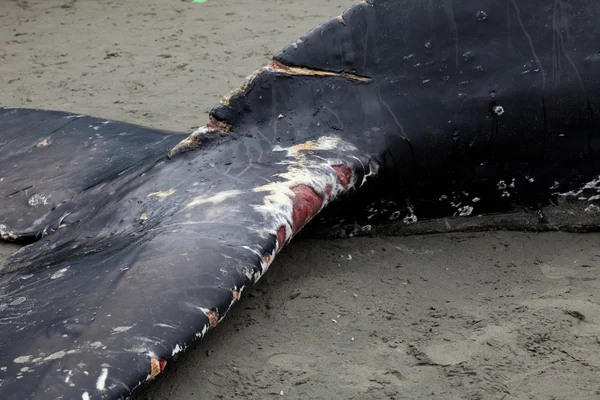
(216, 199)
(411, 218)
(177, 349)
(203, 331)
(465, 211)
(101, 382)
(593, 184)
(37, 199)
(166, 326)
(55, 356)
(322, 143)
(85, 396)
(162, 193)
(60, 273)
(314, 173)
(22, 359)
(318, 175)
(278, 206)
(120, 329)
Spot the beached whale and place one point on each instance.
(408, 116)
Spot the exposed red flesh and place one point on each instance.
(281, 236)
(307, 204)
(344, 174)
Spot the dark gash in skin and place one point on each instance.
(419, 116)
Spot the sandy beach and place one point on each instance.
(494, 315)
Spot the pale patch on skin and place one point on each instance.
(166, 326)
(22, 359)
(120, 329)
(101, 382)
(59, 274)
(56, 356)
(85, 396)
(177, 350)
(322, 143)
(217, 198)
(593, 184)
(203, 331)
(18, 300)
(162, 194)
(37, 200)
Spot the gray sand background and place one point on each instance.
(458, 316)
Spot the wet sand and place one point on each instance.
(458, 316)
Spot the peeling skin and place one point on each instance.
(344, 174)
(44, 143)
(156, 367)
(217, 126)
(196, 138)
(213, 317)
(242, 88)
(276, 66)
(247, 273)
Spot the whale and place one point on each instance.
(396, 117)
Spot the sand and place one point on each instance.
(496, 315)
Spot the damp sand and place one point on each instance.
(494, 315)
